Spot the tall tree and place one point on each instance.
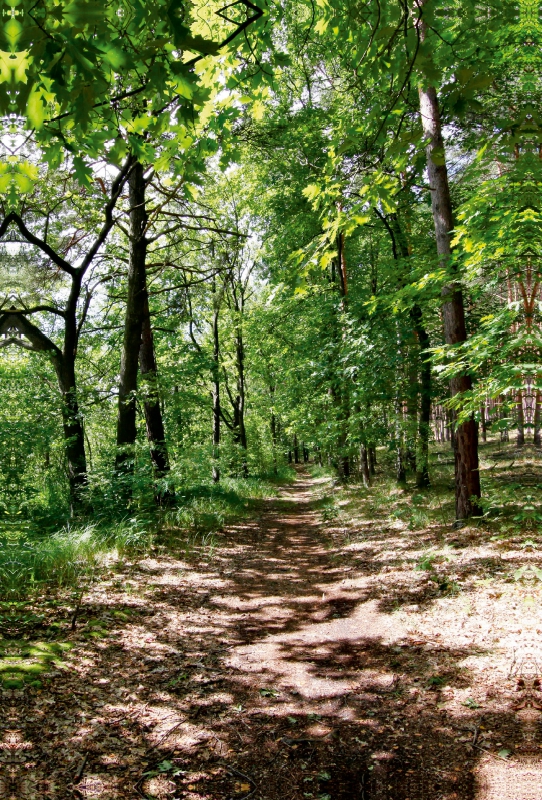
(467, 475)
(64, 358)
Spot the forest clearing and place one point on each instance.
(270, 399)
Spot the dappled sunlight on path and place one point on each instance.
(284, 664)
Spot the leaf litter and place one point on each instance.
(299, 660)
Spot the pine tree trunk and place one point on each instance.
(467, 476)
(133, 324)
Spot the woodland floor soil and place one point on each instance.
(297, 658)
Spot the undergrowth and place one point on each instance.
(508, 506)
(31, 559)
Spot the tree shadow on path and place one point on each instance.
(271, 669)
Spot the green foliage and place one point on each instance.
(290, 262)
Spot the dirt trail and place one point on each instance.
(289, 664)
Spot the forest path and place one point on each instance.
(294, 660)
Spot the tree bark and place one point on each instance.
(400, 467)
(216, 387)
(411, 350)
(467, 476)
(133, 325)
(153, 413)
(421, 387)
(274, 429)
(74, 436)
(64, 360)
(237, 300)
(72, 422)
(240, 433)
(342, 394)
(371, 449)
(64, 364)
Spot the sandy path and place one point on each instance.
(283, 666)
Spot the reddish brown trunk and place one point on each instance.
(467, 477)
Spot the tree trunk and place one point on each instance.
(216, 388)
(274, 432)
(467, 476)
(412, 401)
(133, 324)
(483, 423)
(239, 430)
(520, 439)
(64, 365)
(340, 392)
(74, 436)
(400, 467)
(153, 413)
(418, 428)
(537, 417)
(296, 450)
(371, 449)
(364, 465)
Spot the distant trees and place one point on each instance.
(316, 239)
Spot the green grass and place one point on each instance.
(205, 509)
(31, 560)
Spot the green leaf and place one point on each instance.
(83, 173)
(116, 57)
(23, 183)
(35, 110)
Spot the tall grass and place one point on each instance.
(32, 560)
(206, 508)
(29, 561)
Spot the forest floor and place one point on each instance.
(321, 649)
